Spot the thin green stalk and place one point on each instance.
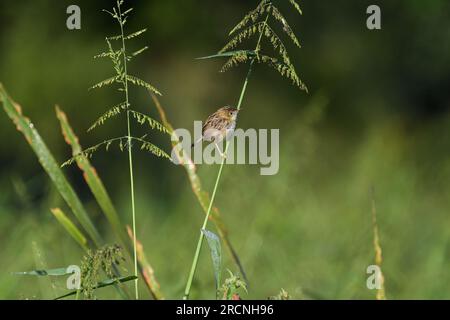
(130, 154)
(219, 175)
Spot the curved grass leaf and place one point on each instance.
(70, 227)
(102, 284)
(49, 164)
(216, 254)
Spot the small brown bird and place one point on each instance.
(219, 125)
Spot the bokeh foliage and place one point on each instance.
(377, 116)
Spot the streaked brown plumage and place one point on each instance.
(219, 125)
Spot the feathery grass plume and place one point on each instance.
(255, 23)
(103, 259)
(122, 79)
(381, 294)
(123, 144)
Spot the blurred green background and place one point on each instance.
(377, 115)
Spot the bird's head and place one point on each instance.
(229, 112)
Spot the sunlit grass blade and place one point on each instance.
(49, 164)
(381, 294)
(102, 284)
(70, 227)
(146, 269)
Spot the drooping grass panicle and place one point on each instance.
(285, 70)
(255, 23)
(114, 111)
(139, 117)
(142, 119)
(141, 83)
(238, 58)
(286, 27)
(252, 16)
(296, 6)
(259, 28)
(123, 144)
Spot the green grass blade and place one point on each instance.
(92, 178)
(70, 227)
(216, 255)
(102, 284)
(49, 164)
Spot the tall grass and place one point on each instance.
(88, 238)
(249, 26)
(120, 58)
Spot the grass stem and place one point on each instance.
(219, 175)
(130, 154)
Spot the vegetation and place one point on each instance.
(364, 167)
